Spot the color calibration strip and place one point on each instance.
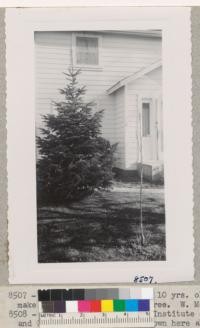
(95, 300)
(96, 308)
(131, 305)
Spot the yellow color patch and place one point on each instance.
(107, 306)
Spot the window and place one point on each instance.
(145, 119)
(87, 50)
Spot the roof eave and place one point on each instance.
(134, 76)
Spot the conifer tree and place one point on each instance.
(74, 159)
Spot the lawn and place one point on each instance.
(104, 227)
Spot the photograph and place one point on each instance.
(99, 146)
(100, 165)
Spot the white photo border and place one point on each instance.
(22, 209)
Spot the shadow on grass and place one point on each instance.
(103, 227)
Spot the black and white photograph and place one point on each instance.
(100, 164)
(99, 146)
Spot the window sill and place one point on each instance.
(88, 68)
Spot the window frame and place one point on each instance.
(149, 101)
(74, 51)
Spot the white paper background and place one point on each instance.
(20, 27)
(63, 3)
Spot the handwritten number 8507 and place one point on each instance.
(144, 279)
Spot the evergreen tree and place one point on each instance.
(74, 159)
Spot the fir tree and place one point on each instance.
(74, 159)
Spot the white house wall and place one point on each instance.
(131, 154)
(121, 55)
(120, 138)
(149, 85)
(156, 76)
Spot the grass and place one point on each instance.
(104, 227)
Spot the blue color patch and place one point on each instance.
(143, 305)
(131, 305)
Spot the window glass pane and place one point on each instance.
(145, 119)
(87, 50)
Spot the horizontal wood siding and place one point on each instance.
(121, 55)
(156, 76)
(131, 155)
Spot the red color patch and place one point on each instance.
(95, 306)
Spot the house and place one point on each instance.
(122, 72)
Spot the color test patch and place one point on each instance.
(46, 307)
(143, 305)
(59, 307)
(119, 306)
(107, 306)
(84, 306)
(95, 306)
(131, 305)
(71, 306)
(147, 293)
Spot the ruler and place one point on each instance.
(101, 320)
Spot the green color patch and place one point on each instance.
(119, 305)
